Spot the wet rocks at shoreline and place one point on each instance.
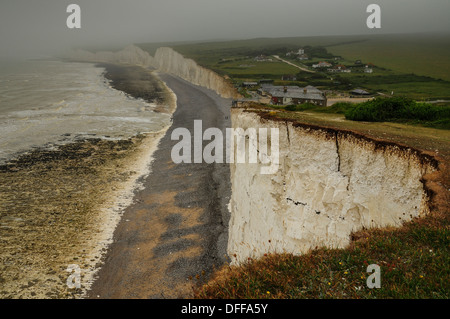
(49, 202)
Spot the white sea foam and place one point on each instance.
(52, 102)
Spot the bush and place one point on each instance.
(383, 109)
(300, 107)
(428, 112)
(397, 108)
(339, 108)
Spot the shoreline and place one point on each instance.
(90, 182)
(175, 233)
(119, 201)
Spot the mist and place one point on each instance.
(38, 28)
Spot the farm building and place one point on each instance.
(368, 68)
(322, 64)
(288, 77)
(263, 58)
(299, 52)
(339, 69)
(285, 95)
(359, 92)
(249, 84)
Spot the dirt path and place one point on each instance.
(177, 229)
(295, 65)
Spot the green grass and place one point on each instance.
(398, 109)
(414, 262)
(410, 85)
(337, 108)
(381, 109)
(421, 54)
(250, 69)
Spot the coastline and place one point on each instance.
(61, 206)
(175, 233)
(139, 83)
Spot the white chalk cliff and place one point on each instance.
(131, 55)
(328, 185)
(170, 61)
(166, 60)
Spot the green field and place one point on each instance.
(413, 65)
(427, 55)
(253, 70)
(421, 54)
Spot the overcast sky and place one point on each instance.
(39, 26)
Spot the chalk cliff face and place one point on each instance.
(170, 61)
(166, 60)
(132, 55)
(329, 184)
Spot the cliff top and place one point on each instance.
(427, 139)
(431, 144)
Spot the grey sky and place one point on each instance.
(39, 27)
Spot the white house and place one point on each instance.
(285, 95)
(339, 69)
(299, 52)
(322, 64)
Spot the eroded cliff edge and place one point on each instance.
(330, 183)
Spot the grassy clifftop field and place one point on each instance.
(411, 65)
(421, 54)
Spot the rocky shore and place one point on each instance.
(59, 205)
(175, 233)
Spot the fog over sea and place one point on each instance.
(46, 103)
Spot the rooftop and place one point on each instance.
(308, 92)
(359, 91)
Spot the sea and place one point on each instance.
(45, 103)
